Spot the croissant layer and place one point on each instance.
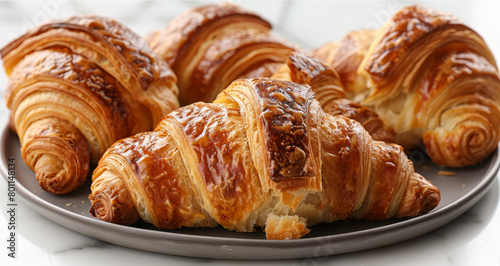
(432, 77)
(211, 46)
(77, 85)
(263, 154)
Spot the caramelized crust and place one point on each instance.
(175, 41)
(326, 84)
(431, 77)
(226, 59)
(220, 163)
(210, 46)
(134, 53)
(115, 108)
(152, 162)
(405, 29)
(263, 154)
(92, 81)
(111, 45)
(285, 118)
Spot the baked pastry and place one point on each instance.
(113, 47)
(327, 86)
(431, 76)
(76, 86)
(263, 154)
(210, 46)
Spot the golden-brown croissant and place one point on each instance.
(431, 76)
(263, 154)
(326, 84)
(75, 87)
(210, 46)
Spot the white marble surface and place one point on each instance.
(471, 239)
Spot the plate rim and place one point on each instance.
(231, 247)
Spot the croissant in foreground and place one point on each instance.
(431, 76)
(77, 85)
(263, 154)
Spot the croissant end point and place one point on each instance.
(430, 196)
(430, 202)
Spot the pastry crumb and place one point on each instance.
(68, 204)
(463, 185)
(446, 173)
(83, 202)
(425, 167)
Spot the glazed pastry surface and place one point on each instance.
(263, 154)
(432, 77)
(77, 85)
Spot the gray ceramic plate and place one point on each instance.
(459, 192)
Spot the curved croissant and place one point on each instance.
(210, 46)
(76, 86)
(263, 154)
(430, 75)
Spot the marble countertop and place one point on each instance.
(471, 239)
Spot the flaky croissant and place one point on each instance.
(263, 154)
(431, 76)
(75, 87)
(210, 46)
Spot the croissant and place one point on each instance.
(76, 86)
(325, 82)
(210, 46)
(431, 76)
(263, 154)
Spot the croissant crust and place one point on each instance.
(210, 46)
(263, 154)
(431, 76)
(77, 85)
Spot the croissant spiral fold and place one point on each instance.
(263, 154)
(76, 86)
(432, 77)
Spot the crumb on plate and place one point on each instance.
(446, 173)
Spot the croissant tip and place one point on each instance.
(49, 171)
(430, 202)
